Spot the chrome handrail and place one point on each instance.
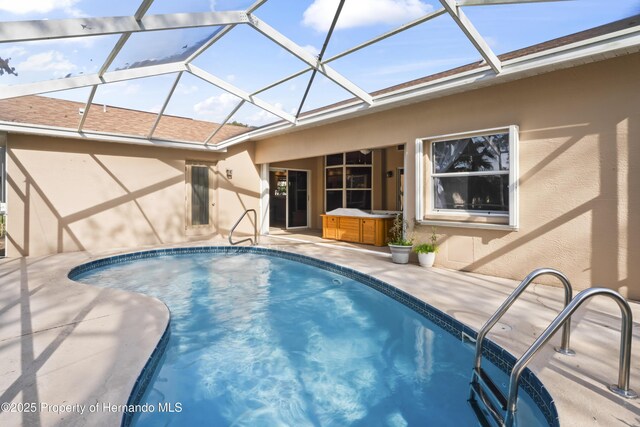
(568, 294)
(622, 388)
(253, 241)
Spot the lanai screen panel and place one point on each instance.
(258, 60)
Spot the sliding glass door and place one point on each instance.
(297, 199)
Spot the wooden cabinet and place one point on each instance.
(349, 229)
(367, 230)
(329, 227)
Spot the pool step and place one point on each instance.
(486, 399)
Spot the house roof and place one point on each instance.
(53, 112)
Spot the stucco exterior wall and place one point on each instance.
(69, 195)
(579, 170)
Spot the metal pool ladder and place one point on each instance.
(253, 241)
(491, 406)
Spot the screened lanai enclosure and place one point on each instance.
(502, 134)
(265, 66)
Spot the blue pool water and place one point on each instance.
(258, 340)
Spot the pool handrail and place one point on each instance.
(253, 241)
(568, 295)
(621, 388)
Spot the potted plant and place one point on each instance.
(427, 251)
(399, 244)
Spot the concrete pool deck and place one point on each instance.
(65, 343)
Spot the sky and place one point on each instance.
(248, 60)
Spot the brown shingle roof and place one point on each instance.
(42, 110)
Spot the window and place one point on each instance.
(348, 180)
(199, 195)
(199, 198)
(469, 179)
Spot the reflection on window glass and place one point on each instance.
(359, 158)
(359, 177)
(281, 186)
(334, 178)
(199, 195)
(335, 159)
(334, 199)
(473, 193)
(476, 154)
(359, 199)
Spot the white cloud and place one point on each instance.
(231, 78)
(12, 52)
(186, 89)
(21, 7)
(124, 88)
(51, 60)
(216, 108)
(358, 14)
(261, 117)
(312, 49)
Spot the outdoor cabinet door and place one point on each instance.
(200, 200)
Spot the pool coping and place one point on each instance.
(497, 355)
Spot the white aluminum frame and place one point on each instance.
(344, 188)
(609, 44)
(579, 53)
(472, 34)
(20, 31)
(424, 179)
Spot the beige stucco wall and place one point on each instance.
(579, 170)
(68, 195)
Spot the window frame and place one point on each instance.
(344, 166)
(199, 229)
(427, 214)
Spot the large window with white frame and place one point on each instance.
(469, 179)
(349, 180)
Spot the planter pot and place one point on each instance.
(427, 260)
(400, 254)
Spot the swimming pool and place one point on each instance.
(261, 337)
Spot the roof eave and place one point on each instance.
(58, 132)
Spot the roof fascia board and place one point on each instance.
(32, 129)
(20, 31)
(199, 72)
(561, 57)
(472, 34)
(89, 80)
(307, 57)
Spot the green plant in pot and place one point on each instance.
(399, 243)
(427, 251)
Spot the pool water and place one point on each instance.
(258, 340)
